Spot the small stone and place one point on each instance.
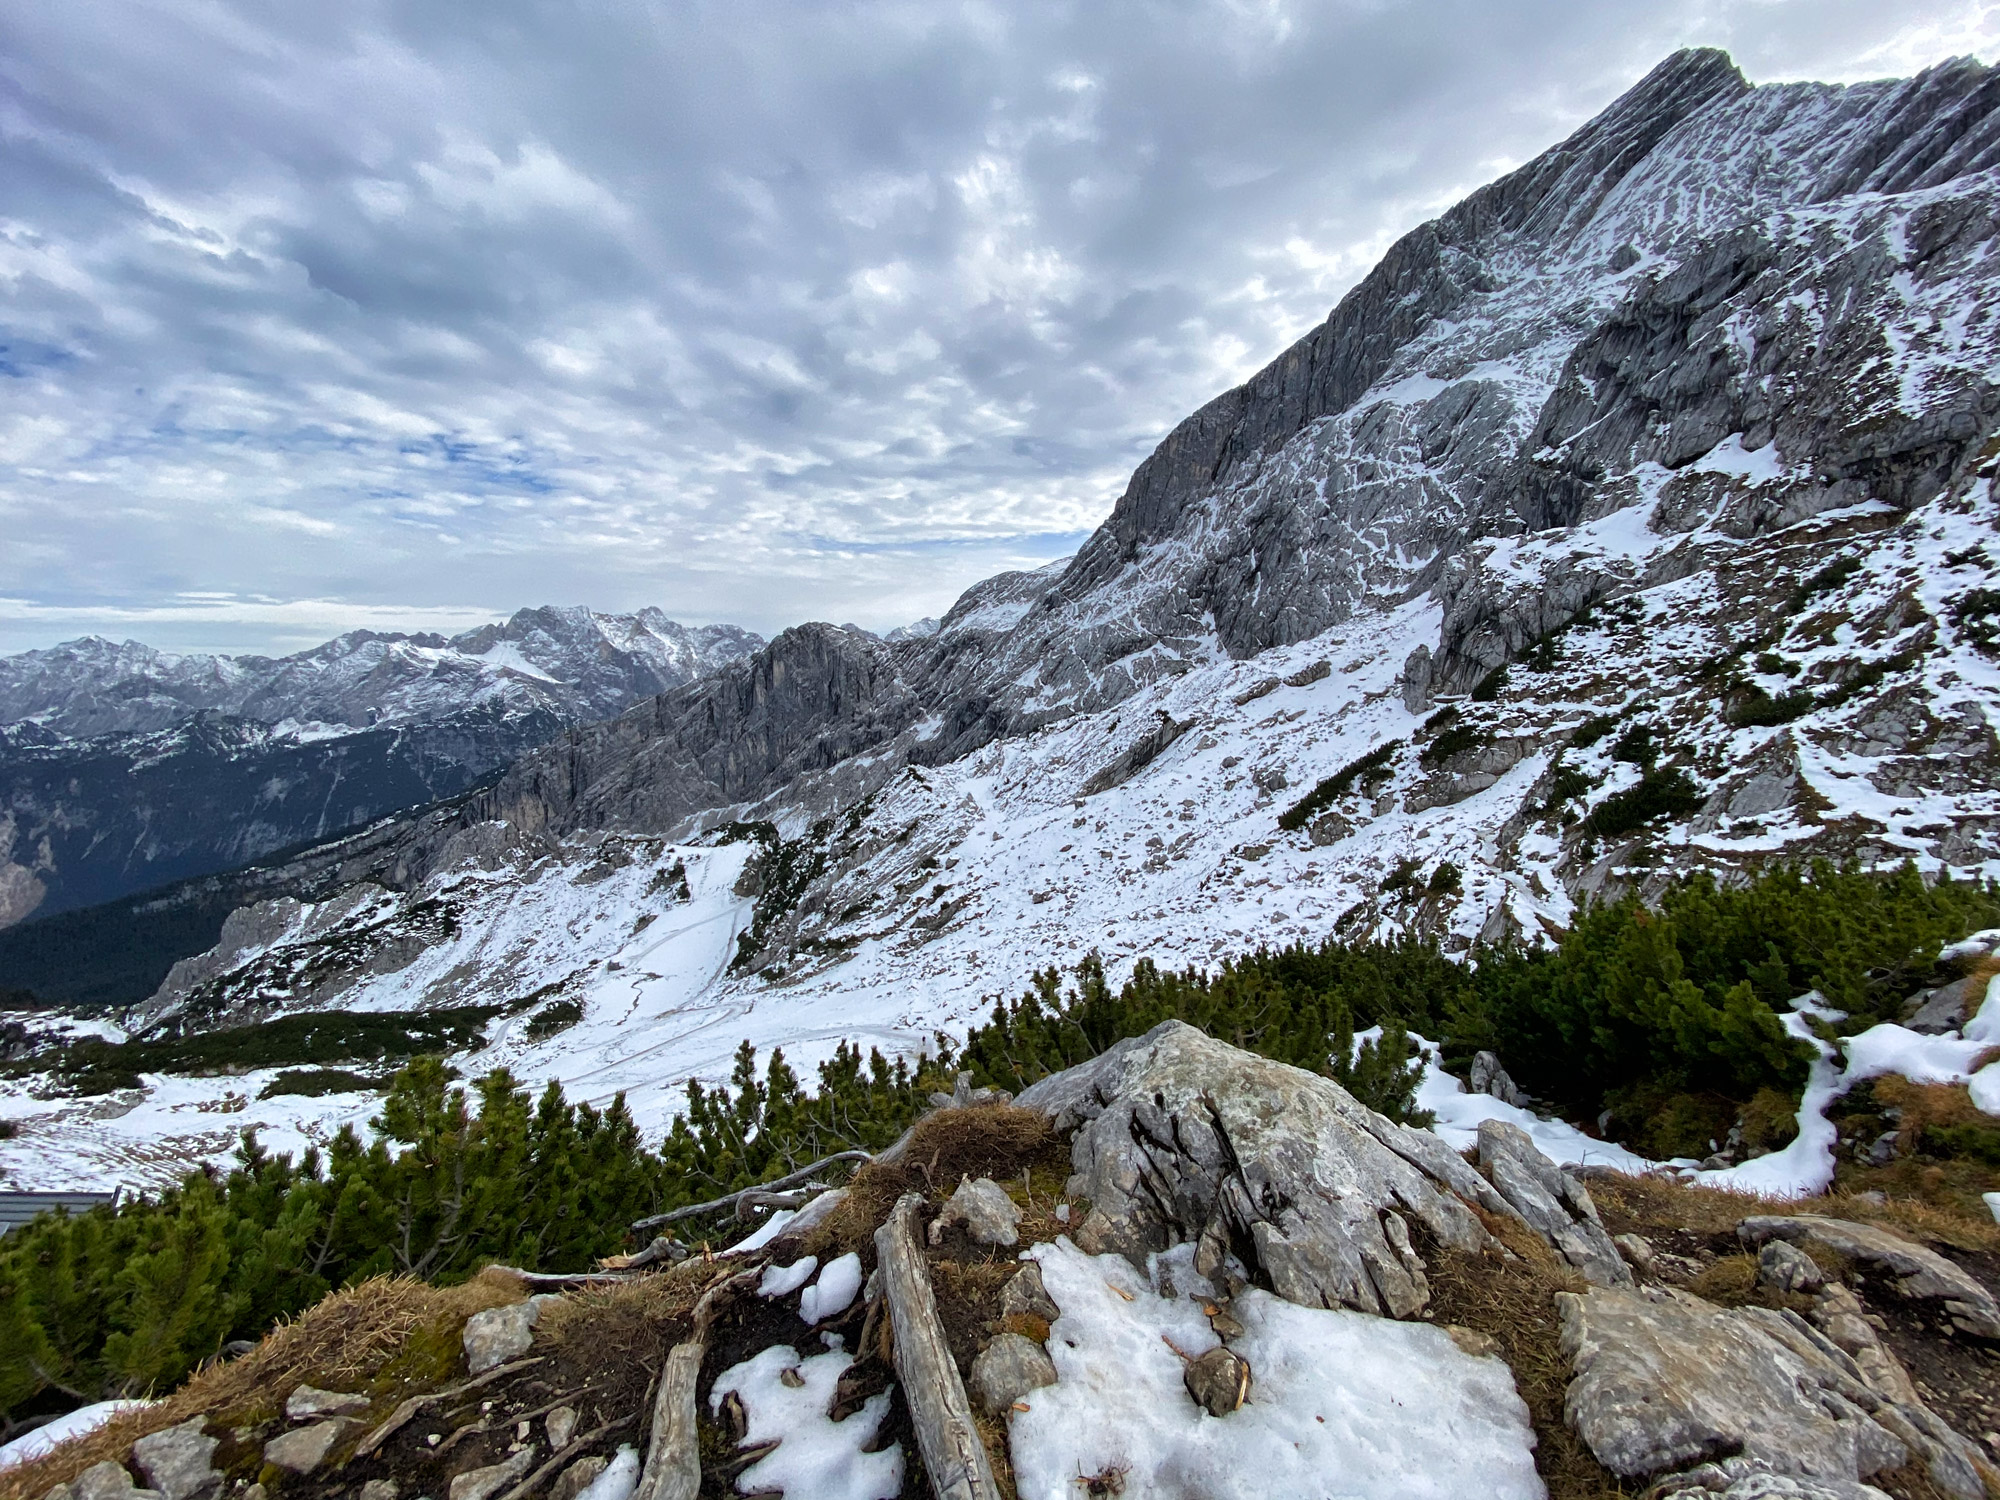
(990, 1217)
(379, 1489)
(107, 1481)
(1007, 1369)
(1788, 1268)
(1062, 1213)
(791, 1379)
(1472, 1341)
(304, 1449)
(255, 1492)
(1225, 1324)
(499, 1334)
(577, 1478)
(177, 1461)
(561, 1424)
(311, 1404)
(1219, 1381)
(483, 1484)
(59, 1492)
(1025, 1294)
(1637, 1252)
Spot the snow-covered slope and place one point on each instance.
(123, 768)
(1689, 425)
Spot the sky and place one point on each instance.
(407, 315)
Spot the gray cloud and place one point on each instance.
(311, 314)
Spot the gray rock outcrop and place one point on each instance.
(498, 1334)
(1552, 1201)
(1665, 1381)
(1788, 1268)
(1025, 1295)
(1181, 1137)
(990, 1217)
(309, 1403)
(1918, 1274)
(485, 1483)
(178, 1461)
(109, 1481)
(1007, 1369)
(304, 1449)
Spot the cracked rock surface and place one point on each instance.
(1181, 1137)
(1919, 1274)
(1666, 1381)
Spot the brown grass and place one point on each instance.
(339, 1344)
(985, 1140)
(1657, 1205)
(1513, 1301)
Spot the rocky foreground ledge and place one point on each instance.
(1177, 1270)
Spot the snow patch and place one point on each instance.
(1340, 1402)
(834, 1292)
(816, 1458)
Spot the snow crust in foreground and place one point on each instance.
(1341, 1403)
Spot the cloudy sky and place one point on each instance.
(409, 314)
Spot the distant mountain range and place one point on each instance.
(123, 767)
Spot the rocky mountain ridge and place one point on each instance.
(124, 768)
(573, 661)
(1634, 518)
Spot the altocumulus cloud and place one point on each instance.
(314, 316)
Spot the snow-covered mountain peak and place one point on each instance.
(572, 661)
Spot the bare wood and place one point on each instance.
(953, 1454)
(753, 1199)
(728, 1200)
(562, 1456)
(673, 1458)
(415, 1404)
(673, 1451)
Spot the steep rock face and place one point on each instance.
(1717, 306)
(1687, 424)
(816, 696)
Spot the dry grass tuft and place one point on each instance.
(1512, 1299)
(1728, 1282)
(339, 1344)
(1657, 1205)
(984, 1140)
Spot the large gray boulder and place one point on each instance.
(1180, 1137)
(1665, 1381)
(1551, 1201)
(1918, 1274)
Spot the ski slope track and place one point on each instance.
(1689, 425)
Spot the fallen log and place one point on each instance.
(953, 1454)
(729, 1200)
(673, 1451)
